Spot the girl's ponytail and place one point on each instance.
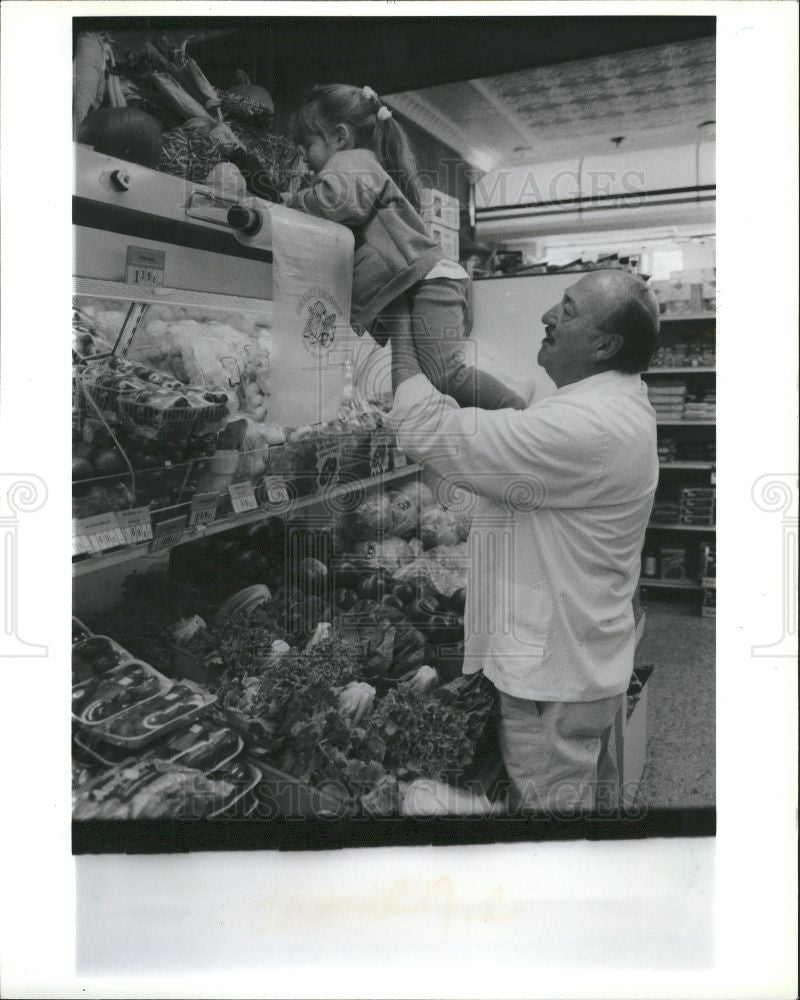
(392, 148)
(373, 126)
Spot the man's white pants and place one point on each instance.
(557, 754)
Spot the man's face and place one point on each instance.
(567, 351)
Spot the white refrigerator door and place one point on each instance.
(507, 327)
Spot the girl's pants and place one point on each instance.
(557, 754)
(438, 312)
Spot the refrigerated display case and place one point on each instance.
(191, 508)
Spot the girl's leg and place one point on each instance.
(439, 319)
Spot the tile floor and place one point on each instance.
(680, 764)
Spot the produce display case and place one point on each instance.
(178, 470)
(298, 588)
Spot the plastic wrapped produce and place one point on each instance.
(440, 527)
(371, 519)
(387, 553)
(404, 513)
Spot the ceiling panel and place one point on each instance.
(652, 97)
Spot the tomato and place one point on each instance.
(345, 598)
(458, 600)
(372, 586)
(346, 574)
(391, 601)
(420, 611)
(452, 628)
(250, 565)
(404, 592)
(227, 551)
(436, 627)
(314, 572)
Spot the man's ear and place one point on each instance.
(608, 346)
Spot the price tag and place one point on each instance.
(380, 449)
(135, 525)
(327, 463)
(204, 508)
(102, 531)
(144, 266)
(399, 460)
(243, 497)
(80, 543)
(167, 533)
(275, 491)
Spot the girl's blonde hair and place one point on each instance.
(328, 105)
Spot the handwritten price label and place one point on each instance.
(144, 266)
(167, 533)
(80, 543)
(135, 525)
(399, 460)
(101, 532)
(242, 497)
(204, 508)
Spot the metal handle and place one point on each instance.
(206, 205)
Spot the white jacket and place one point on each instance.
(564, 493)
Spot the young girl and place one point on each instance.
(365, 178)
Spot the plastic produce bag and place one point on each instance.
(312, 283)
(388, 553)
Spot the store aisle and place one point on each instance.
(680, 768)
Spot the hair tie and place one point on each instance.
(384, 114)
(369, 95)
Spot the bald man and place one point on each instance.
(564, 493)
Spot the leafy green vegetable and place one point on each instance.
(152, 602)
(425, 737)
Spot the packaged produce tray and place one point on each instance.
(204, 745)
(79, 631)
(158, 790)
(98, 751)
(246, 777)
(96, 655)
(174, 709)
(279, 795)
(100, 700)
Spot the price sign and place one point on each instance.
(144, 266)
(80, 543)
(102, 532)
(204, 508)
(243, 497)
(167, 533)
(135, 525)
(275, 491)
(399, 460)
(327, 463)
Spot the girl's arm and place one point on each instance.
(344, 191)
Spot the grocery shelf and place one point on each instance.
(681, 527)
(686, 317)
(670, 584)
(687, 465)
(683, 370)
(686, 423)
(116, 556)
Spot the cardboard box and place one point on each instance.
(446, 238)
(630, 736)
(440, 208)
(672, 563)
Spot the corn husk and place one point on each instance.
(182, 102)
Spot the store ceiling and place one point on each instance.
(652, 97)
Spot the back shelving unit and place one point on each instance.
(679, 556)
